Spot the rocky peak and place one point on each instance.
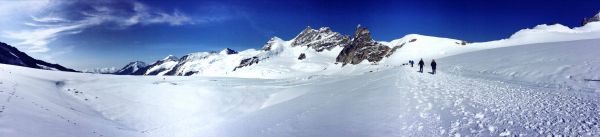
(321, 39)
(362, 34)
(592, 19)
(170, 58)
(362, 47)
(228, 51)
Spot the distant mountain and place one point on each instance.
(11, 55)
(131, 68)
(592, 19)
(159, 67)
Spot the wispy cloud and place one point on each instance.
(37, 39)
(51, 23)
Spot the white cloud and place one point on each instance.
(11, 8)
(44, 28)
(38, 39)
(48, 19)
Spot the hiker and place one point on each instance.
(421, 63)
(411, 63)
(433, 65)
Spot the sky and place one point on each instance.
(85, 34)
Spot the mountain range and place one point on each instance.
(316, 50)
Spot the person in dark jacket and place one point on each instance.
(421, 63)
(433, 65)
(411, 63)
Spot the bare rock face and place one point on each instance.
(247, 62)
(319, 40)
(362, 47)
(302, 56)
(394, 50)
(592, 19)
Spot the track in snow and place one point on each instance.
(403, 102)
(488, 107)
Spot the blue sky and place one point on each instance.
(106, 33)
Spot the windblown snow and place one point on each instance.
(539, 82)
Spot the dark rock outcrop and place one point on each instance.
(319, 40)
(394, 50)
(592, 19)
(302, 56)
(12, 56)
(247, 62)
(362, 47)
(228, 51)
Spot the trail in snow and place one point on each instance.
(403, 102)
(488, 107)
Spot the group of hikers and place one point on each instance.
(421, 64)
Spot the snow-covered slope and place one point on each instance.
(573, 64)
(414, 47)
(428, 47)
(547, 33)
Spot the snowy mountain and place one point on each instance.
(131, 68)
(159, 67)
(11, 55)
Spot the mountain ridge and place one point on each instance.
(13, 56)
